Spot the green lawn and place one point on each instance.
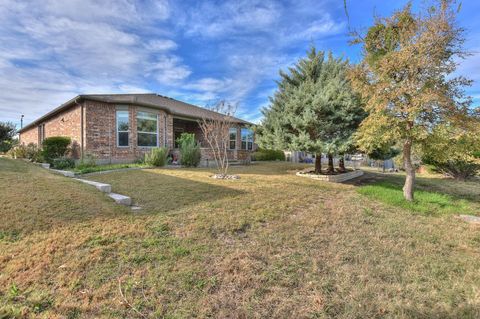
(270, 245)
(107, 167)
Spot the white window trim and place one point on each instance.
(116, 128)
(247, 141)
(156, 133)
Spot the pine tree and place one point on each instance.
(314, 109)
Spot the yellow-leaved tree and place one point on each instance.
(405, 79)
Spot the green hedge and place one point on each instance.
(268, 155)
(55, 147)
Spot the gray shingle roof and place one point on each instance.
(172, 106)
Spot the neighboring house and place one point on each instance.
(117, 128)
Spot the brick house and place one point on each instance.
(118, 128)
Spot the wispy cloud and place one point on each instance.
(199, 51)
(53, 50)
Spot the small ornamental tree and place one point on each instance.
(405, 80)
(314, 109)
(216, 133)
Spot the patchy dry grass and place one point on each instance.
(268, 245)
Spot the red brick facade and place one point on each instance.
(100, 133)
(66, 123)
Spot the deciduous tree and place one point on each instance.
(405, 79)
(215, 129)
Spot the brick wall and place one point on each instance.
(29, 136)
(101, 134)
(66, 123)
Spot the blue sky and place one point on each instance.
(195, 51)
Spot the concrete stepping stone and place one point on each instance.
(121, 199)
(470, 219)
(106, 188)
(64, 173)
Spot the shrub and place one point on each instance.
(453, 151)
(189, 150)
(63, 162)
(87, 161)
(19, 151)
(268, 155)
(55, 147)
(5, 146)
(33, 153)
(456, 168)
(157, 157)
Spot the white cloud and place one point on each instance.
(161, 45)
(232, 17)
(53, 50)
(169, 70)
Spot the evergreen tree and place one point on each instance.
(314, 109)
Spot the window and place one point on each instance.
(41, 133)
(247, 139)
(122, 128)
(233, 138)
(147, 129)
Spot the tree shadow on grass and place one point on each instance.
(162, 193)
(469, 190)
(33, 199)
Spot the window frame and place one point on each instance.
(248, 141)
(117, 131)
(41, 133)
(230, 130)
(156, 133)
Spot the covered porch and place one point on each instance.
(240, 143)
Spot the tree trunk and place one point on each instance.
(410, 170)
(383, 167)
(318, 163)
(341, 164)
(330, 168)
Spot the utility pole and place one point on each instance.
(21, 121)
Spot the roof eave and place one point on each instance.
(134, 101)
(51, 113)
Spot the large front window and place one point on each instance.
(247, 139)
(122, 128)
(232, 138)
(147, 129)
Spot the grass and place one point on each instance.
(107, 167)
(268, 245)
(426, 202)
